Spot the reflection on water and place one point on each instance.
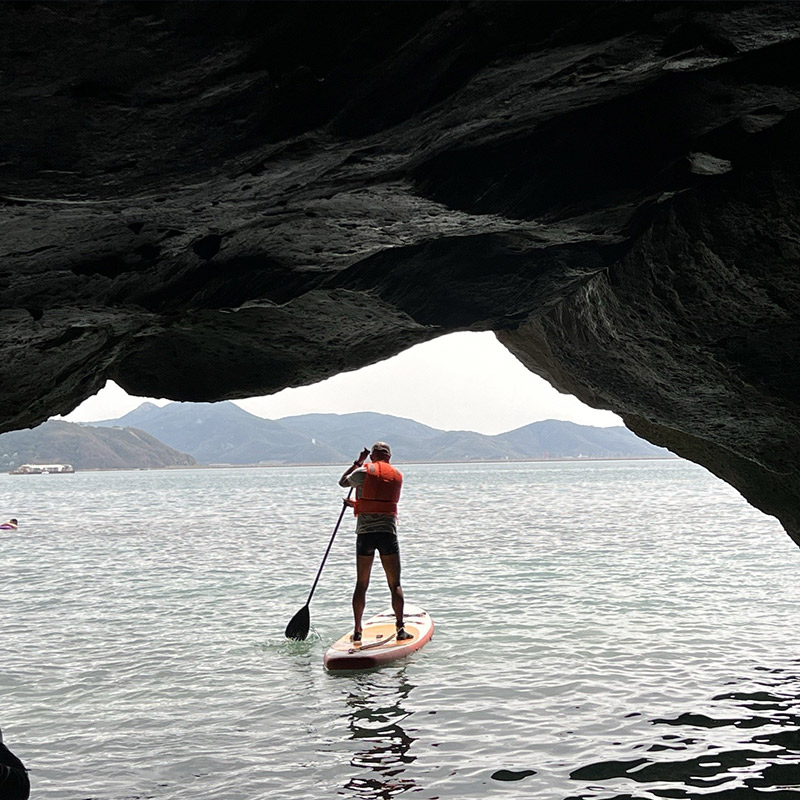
(376, 718)
(724, 764)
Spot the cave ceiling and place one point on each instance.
(211, 201)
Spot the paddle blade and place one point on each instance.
(299, 624)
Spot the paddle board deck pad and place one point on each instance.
(379, 643)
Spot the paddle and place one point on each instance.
(300, 622)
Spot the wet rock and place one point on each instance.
(14, 781)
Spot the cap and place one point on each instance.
(382, 447)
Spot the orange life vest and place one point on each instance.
(380, 490)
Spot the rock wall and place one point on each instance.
(209, 201)
(693, 336)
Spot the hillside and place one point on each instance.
(223, 433)
(87, 448)
(554, 438)
(220, 433)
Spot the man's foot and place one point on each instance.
(356, 637)
(402, 634)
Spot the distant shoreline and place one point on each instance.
(566, 459)
(207, 435)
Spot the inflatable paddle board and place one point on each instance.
(379, 643)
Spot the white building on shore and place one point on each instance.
(42, 469)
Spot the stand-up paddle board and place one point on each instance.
(379, 643)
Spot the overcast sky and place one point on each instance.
(464, 381)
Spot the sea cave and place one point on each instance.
(218, 200)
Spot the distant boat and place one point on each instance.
(43, 469)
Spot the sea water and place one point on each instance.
(603, 630)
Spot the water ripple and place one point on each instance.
(621, 630)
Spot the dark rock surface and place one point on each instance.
(209, 201)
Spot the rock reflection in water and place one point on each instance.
(765, 764)
(376, 718)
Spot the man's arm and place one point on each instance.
(343, 482)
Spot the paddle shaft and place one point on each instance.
(330, 544)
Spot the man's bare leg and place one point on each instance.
(363, 569)
(391, 566)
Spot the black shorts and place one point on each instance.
(385, 543)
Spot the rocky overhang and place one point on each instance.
(212, 201)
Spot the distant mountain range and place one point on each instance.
(223, 433)
(57, 442)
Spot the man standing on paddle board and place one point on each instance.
(377, 488)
